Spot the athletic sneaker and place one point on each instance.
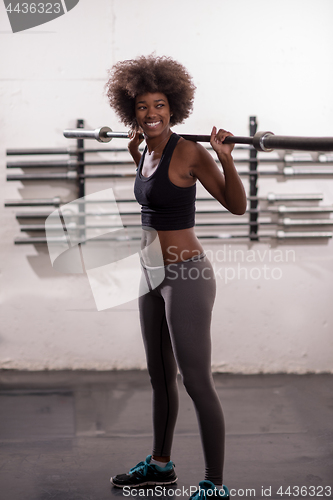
(144, 474)
(208, 490)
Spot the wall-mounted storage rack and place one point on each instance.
(270, 216)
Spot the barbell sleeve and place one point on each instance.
(299, 210)
(53, 202)
(300, 235)
(99, 134)
(43, 164)
(68, 176)
(290, 171)
(267, 141)
(37, 151)
(306, 222)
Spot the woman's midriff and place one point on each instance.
(179, 245)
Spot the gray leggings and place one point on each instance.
(175, 321)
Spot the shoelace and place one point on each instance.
(141, 467)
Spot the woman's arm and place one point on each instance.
(226, 187)
(133, 145)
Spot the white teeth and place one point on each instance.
(152, 124)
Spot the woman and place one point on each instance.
(150, 94)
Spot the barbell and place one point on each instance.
(261, 141)
(279, 235)
(279, 210)
(74, 226)
(287, 159)
(74, 176)
(57, 201)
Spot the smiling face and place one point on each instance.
(152, 113)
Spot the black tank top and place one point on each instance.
(164, 206)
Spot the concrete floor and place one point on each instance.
(63, 434)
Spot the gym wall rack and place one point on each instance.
(271, 216)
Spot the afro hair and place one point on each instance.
(130, 78)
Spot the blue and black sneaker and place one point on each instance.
(144, 474)
(207, 490)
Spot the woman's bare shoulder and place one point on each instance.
(190, 150)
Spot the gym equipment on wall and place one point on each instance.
(272, 209)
